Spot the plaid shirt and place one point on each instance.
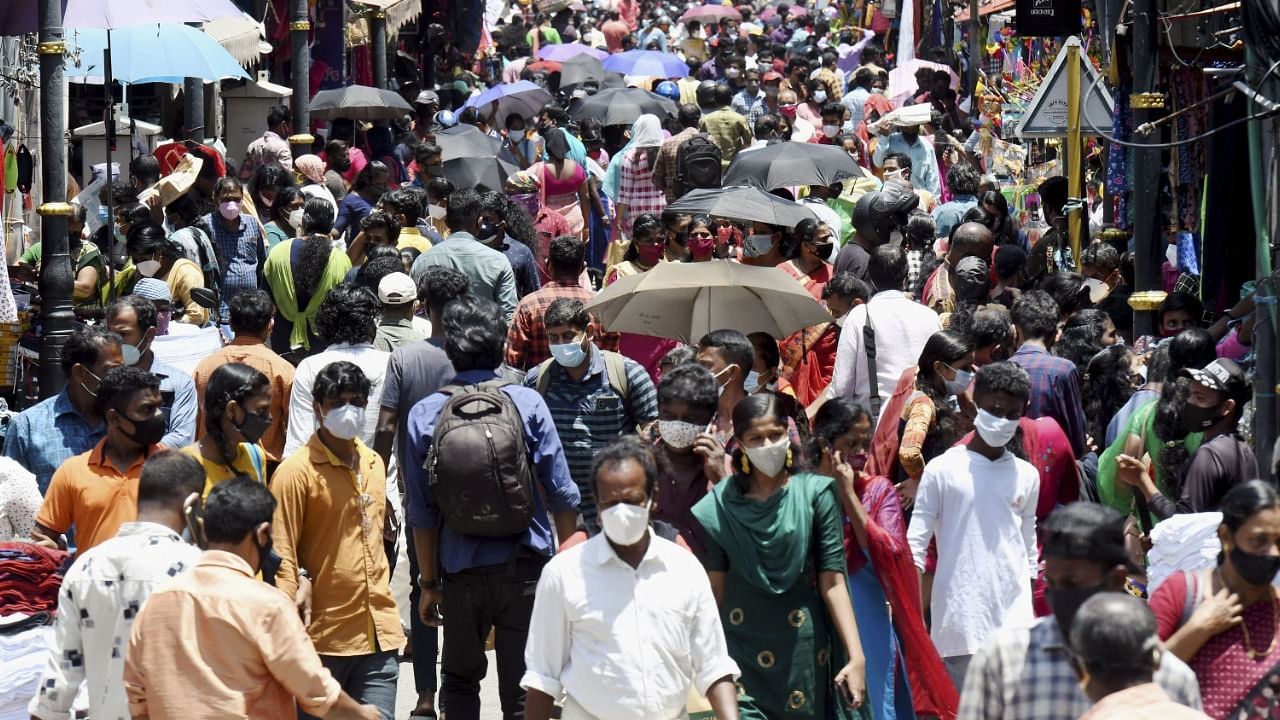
(835, 86)
(664, 165)
(1055, 392)
(915, 260)
(1024, 674)
(637, 190)
(527, 337)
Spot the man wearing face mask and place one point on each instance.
(728, 130)
(44, 436)
(979, 501)
(1084, 555)
(105, 582)
(488, 270)
(238, 236)
(763, 247)
(1217, 396)
(135, 320)
(96, 491)
(219, 604)
(429, 163)
(908, 141)
(749, 95)
(729, 355)
(603, 607)
(594, 395)
(332, 508)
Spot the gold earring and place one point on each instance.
(746, 466)
(790, 460)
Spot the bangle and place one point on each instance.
(430, 584)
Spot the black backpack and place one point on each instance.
(697, 164)
(479, 468)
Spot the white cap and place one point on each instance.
(397, 289)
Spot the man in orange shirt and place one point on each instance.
(97, 491)
(614, 30)
(218, 643)
(251, 321)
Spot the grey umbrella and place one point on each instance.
(359, 102)
(621, 106)
(743, 203)
(580, 69)
(787, 164)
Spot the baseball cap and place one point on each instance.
(397, 289)
(1086, 531)
(1222, 375)
(771, 76)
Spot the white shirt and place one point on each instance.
(983, 514)
(625, 643)
(902, 328)
(302, 415)
(100, 598)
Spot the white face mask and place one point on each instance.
(994, 431)
(820, 97)
(752, 383)
(678, 434)
(1098, 290)
(723, 371)
(624, 524)
(148, 268)
(830, 130)
(770, 459)
(435, 211)
(346, 422)
(757, 245)
(295, 220)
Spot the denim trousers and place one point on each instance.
(426, 639)
(369, 679)
(497, 597)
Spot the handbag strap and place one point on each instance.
(873, 381)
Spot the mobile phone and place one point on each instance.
(191, 511)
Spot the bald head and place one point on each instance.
(1114, 638)
(787, 97)
(970, 240)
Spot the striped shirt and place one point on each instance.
(588, 414)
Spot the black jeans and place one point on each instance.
(426, 639)
(498, 597)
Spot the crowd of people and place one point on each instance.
(418, 444)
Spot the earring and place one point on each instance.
(790, 459)
(746, 466)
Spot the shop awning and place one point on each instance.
(985, 8)
(242, 37)
(398, 13)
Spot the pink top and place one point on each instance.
(555, 186)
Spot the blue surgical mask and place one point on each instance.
(752, 382)
(569, 355)
(757, 245)
(960, 383)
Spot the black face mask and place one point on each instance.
(254, 426)
(823, 250)
(1197, 419)
(1067, 601)
(1257, 570)
(487, 231)
(146, 432)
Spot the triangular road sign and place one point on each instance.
(1046, 116)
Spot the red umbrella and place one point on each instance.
(549, 66)
(704, 13)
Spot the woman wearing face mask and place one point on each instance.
(235, 416)
(267, 182)
(702, 239)
(299, 274)
(648, 244)
(311, 180)
(810, 262)
(152, 255)
(1225, 622)
(811, 109)
(635, 193)
(882, 577)
(286, 216)
(763, 247)
(764, 375)
(775, 556)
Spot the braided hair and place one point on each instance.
(233, 381)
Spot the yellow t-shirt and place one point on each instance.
(251, 460)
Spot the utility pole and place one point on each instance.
(1149, 241)
(299, 36)
(975, 56)
(378, 46)
(193, 105)
(57, 316)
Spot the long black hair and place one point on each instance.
(1081, 337)
(1106, 388)
(944, 346)
(834, 419)
(755, 407)
(1244, 501)
(233, 381)
(1192, 348)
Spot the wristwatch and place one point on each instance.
(430, 584)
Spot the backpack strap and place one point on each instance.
(544, 376)
(873, 382)
(615, 367)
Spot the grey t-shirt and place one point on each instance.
(853, 258)
(414, 371)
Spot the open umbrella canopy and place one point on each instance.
(359, 102)
(685, 301)
(167, 52)
(466, 141)
(621, 106)
(750, 204)
(113, 14)
(482, 173)
(649, 63)
(788, 164)
(522, 98)
(710, 13)
(564, 51)
(580, 69)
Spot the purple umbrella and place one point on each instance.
(564, 51)
(19, 17)
(112, 14)
(703, 13)
(648, 63)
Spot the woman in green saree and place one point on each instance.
(775, 556)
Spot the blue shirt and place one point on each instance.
(180, 414)
(460, 552)
(49, 433)
(1055, 392)
(948, 214)
(523, 265)
(924, 165)
(588, 414)
(488, 270)
(242, 251)
(351, 211)
(855, 101)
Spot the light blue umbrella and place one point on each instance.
(163, 52)
(648, 63)
(523, 98)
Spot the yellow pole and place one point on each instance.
(1075, 179)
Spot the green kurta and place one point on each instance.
(774, 618)
(278, 271)
(1141, 422)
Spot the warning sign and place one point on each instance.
(1046, 115)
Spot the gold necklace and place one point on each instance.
(1275, 632)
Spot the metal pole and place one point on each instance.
(1075, 173)
(193, 106)
(975, 55)
(57, 316)
(299, 36)
(1149, 242)
(378, 46)
(1265, 411)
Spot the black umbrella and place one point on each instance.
(482, 173)
(743, 203)
(466, 141)
(359, 102)
(622, 106)
(787, 164)
(580, 69)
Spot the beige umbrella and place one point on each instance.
(685, 301)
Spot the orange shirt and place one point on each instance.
(216, 643)
(88, 492)
(252, 352)
(329, 520)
